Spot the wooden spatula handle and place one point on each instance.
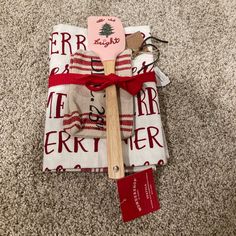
(114, 146)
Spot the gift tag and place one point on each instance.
(134, 41)
(161, 79)
(138, 195)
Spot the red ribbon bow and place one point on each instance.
(95, 82)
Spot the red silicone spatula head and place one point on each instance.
(106, 36)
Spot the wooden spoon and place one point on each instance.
(106, 37)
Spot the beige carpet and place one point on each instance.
(197, 190)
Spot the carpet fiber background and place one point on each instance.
(197, 189)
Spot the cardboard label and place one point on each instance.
(138, 195)
(134, 41)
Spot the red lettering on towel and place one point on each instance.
(152, 137)
(50, 97)
(55, 70)
(80, 41)
(147, 105)
(153, 102)
(77, 143)
(62, 142)
(60, 105)
(137, 140)
(46, 144)
(145, 136)
(65, 143)
(146, 68)
(64, 41)
(53, 42)
(141, 103)
(96, 141)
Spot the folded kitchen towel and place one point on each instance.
(64, 152)
(86, 115)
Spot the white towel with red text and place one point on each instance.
(62, 152)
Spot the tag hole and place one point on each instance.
(116, 168)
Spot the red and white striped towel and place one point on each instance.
(86, 109)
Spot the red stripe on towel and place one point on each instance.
(90, 69)
(88, 121)
(95, 128)
(98, 58)
(95, 115)
(88, 63)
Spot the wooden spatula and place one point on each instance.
(106, 37)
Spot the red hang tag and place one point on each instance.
(138, 195)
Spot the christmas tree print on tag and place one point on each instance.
(106, 30)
